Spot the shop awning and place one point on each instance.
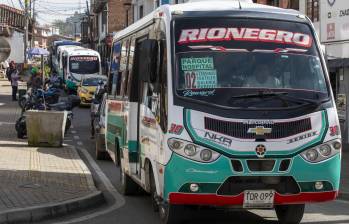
(338, 63)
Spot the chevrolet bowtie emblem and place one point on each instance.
(259, 130)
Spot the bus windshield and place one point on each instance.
(84, 64)
(230, 64)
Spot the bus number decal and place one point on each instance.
(190, 80)
(176, 129)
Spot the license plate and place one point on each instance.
(259, 199)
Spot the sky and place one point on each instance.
(49, 10)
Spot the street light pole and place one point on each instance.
(26, 35)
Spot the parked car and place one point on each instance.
(88, 87)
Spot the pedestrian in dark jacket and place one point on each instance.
(14, 84)
(11, 69)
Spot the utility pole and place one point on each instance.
(26, 35)
(33, 18)
(90, 25)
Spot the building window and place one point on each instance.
(141, 11)
(313, 10)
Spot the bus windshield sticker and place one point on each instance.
(84, 58)
(244, 34)
(75, 66)
(201, 79)
(190, 92)
(189, 64)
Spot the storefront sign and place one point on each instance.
(334, 20)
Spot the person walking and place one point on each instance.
(11, 69)
(14, 84)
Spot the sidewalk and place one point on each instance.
(38, 183)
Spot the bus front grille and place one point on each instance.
(240, 129)
(238, 184)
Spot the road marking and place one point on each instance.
(119, 199)
(73, 132)
(76, 137)
(79, 143)
(7, 123)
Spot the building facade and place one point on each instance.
(12, 23)
(107, 17)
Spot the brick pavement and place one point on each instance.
(32, 176)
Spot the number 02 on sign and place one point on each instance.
(259, 199)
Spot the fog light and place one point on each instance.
(206, 155)
(337, 145)
(312, 155)
(319, 185)
(194, 187)
(325, 150)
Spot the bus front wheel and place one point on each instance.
(171, 214)
(289, 214)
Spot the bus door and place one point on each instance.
(148, 131)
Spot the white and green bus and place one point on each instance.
(223, 103)
(77, 62)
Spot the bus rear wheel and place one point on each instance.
(289, 214)
(171, 214)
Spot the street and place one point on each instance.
(137, 209)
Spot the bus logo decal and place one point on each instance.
(244, 34)
(260, 151)
(218, 139)
(259, 130)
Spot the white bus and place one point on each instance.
(59, 56)
(54, 47)
(78, 62)
(223, 103)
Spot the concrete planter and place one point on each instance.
(45, 128)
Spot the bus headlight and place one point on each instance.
(322, 152)
(192, 151)
(325, 150)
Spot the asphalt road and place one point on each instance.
(137, 209)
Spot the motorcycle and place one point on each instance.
(68, 105)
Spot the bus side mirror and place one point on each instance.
(148, 54)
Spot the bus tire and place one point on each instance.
(128, 186)
(289, 214)
(101, 154)
(153, 193)
(171, 214)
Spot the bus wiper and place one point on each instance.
(284, 97)
(263, 94)
(260, 94)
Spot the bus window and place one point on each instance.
(123, 67)
(114, 68)
(130, 66)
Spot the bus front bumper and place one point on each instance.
(219, 200)
(180, 173)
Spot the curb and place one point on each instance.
(39, 213)
(344, 196)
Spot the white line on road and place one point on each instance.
(73, 132)
(119, 199)
(7, 123)
(76, 137)
(79, 143)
